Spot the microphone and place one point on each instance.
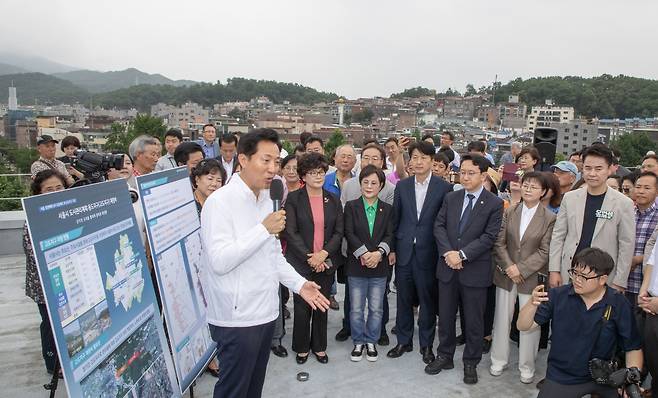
(276, 194)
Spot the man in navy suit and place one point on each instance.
(465, 231)
(416, 202)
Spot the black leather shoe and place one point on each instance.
(540, 383)
(300, 359)
(439, 364)
(470, 374)
(460, 340)
(398, 350)
(428, 355)
(383, 340)
(343, 334)
(333, 304)
(486, 346)
(322, 358)
(280, 351)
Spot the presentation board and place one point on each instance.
(173, 230)
(100, 298)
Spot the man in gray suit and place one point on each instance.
(596, 216)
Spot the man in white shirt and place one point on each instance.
(227, 148)
(245, 266)
(447, 139)
(172, 139)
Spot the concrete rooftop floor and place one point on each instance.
(22, 372)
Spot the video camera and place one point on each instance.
(628, 379)
(96, 165)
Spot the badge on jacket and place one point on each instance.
(605, 214)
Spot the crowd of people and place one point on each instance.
(517, 252)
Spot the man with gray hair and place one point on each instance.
(510, 157)
(144, 152)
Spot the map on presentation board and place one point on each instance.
(98, 290)
(173, 229)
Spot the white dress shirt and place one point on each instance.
(526, 217)
(476, 195)
(653, 280)
(456, 162)
(421, 192)
(228, 166)
(244, 263)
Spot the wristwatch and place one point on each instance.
(462, 256)
(382, 251)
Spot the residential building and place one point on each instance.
(181, 117)
(574, 135)
(549, 114)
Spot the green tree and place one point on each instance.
(633, 147)
(364, 116)
(288, 146)
(337, 139)
(17, 160)
(235, 113)
(415, 93)
(143, 124)
(470, 90)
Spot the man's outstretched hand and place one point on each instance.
(310, 292)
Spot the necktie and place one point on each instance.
(467, 213)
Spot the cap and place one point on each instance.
(44, 139)
(565, 165)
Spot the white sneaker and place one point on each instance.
(527, 379)
(357, 353)
(371, 352)
(496, 371)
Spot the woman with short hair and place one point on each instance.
(45, 181)
(369, 235)
(520, 255)
(314, 234)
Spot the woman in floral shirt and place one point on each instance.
(44, 181)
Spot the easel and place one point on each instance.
(52, 386)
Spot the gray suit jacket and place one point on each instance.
(615, 236)
(530, 254)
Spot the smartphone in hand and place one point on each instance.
(542, 280)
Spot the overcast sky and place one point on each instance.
(355, 48)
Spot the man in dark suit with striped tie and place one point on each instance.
(465, 230)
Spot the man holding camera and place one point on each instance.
(590, 322)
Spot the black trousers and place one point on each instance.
(651, 350)
(489, 311)
(243, 354)
(309, 328)
(416, 280)
(473, 301)
(48, 347)
(551, 389)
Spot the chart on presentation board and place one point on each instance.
(173, 229)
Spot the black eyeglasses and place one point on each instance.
(625, 190)
(573, 274)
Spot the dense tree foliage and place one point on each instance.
(14, 160)
(633, 147)
(415, 93)
(207, 94)
(122, 136)
(604, 96)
